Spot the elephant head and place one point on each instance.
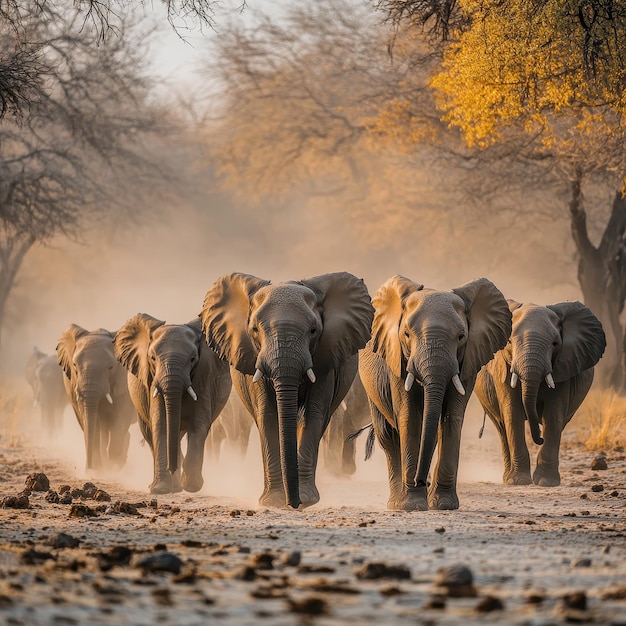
(164, 358)
(89, 364)
(290, 334)
(550, 344)
(437, 338)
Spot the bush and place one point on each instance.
(600, 423)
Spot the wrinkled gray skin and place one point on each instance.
(96, 387)
(45, 377)
(562, 340)
(353, 413)
(232, 428)
(272, 335)
(431, 336)
(167, 365)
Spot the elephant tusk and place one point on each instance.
(109, 398)
(550, 381)
(408, 383)
(192, 393)
(344, 406)
(155, 392)
(257, 376)
(311, 374)
(514, 380)
(458, 385)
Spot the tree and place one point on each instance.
(555, 70)
(64, 163)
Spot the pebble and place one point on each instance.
(377, 570)
(82, 510)
(597, 488)
(16, 502)
(488, 604)
(37, 482)
(52, 496)
(160, 562)
(457, 580)
(313, 605)
(582, 563)
(293, 559)
(264, 561)
(117, 555)
(576, 600)
(101, 496)
(63, 540)
(599, 463)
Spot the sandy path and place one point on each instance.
(527, 547)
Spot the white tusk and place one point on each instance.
(550, 381)
(514, 380)
(109, 398)
(458, 385)
(257, 376)
(408, 383)
(311, 374)
(344, 406)
(192, 393)
(155, 393)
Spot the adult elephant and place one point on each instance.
(292, 349)
(96, 387)
(178, 386)
(552, 353)
(439, 339)
(339, 449)
(232, 428)
(45, 377)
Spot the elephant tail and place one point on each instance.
(371, 439)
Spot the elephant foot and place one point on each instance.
(192, 483)
(443, 499)
(517, 478)
(274, 498)
(348, 468)
(309, 495)
(168, 484)
(545, 477)
(414, 500)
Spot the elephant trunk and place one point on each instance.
(287, 403)
(91, 430)
(172, 390)
(530, 390)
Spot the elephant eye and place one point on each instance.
(255, 329)
(407, 334)
(152, 357)
(461, 336)
(313, 331)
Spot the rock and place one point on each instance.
(235, 513)
(162, 596)
(82, 510)
(160, 562)
(34, 557)
(378, 570)
(264, 560)
(16, 502)
(77, 493)
(117, 555)
(313, 605)
(63, 540)
(488, 604)
(535, 598)
(37, 482)
(440, 530)
(101, 496)
(125, 508)
(246, 573)
(457, 580)
(64, 489)
(582, 563)
(597, 488)
(576, 600)
(293, 559)
(436, 602)
(599, 463)
(52, 496)
(65, 498)
(89, 489)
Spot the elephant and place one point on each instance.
(292, 348)
(178, 386)
(96, 387)
(46, 380)
(233, 427)
(338, 447)
(552, 352)
(439, 339)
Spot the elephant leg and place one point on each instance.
(389, 440)
(332, 445)
(442, 493)
(348, 453)
(546, 472)
(514, 423)
(118, 445)
(414, 498)
(504, 446)
(191, 477)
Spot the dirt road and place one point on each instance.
(515, 555)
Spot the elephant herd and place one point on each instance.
(297, 353)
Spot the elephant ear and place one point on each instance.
(67, 345)
(506, 351)
(489, 324)
(225, 315)
(347, 314)
(196, 326)
(389, 306)
(583, 340)
(131, 345)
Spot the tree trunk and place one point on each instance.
(602, 279)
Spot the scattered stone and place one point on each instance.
(583, 496)
(125, 508)
(191, 543)
(614, 593)
(52, 496)
(117, 555)
(440, 530)
(293, 559)
(64, 489)
(34, 557)
(77, 493)
(235, 513)
(316, 569)
(439, 550)
(576, 600)
(246, 573)
(377, 570)
(264, 560)
(457, 580)
(162, 596)
(188, 575)
(82, 510)
(89, 489)
(63, 540)
(312, 605)
(599, 463)
(488, 604)
(37, 482)
(436, 602)
(101, 496)
(338, 586)
(606, 549)
(390, 591)
(614, 493)
(5, 601)
(250, 512)
(535, 598)
(597, 487)
(65, 498)
(160, 562)
(16, 502)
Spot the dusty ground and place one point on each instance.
(530, 549)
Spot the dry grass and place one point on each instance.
(14, 406)
(600, 423)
